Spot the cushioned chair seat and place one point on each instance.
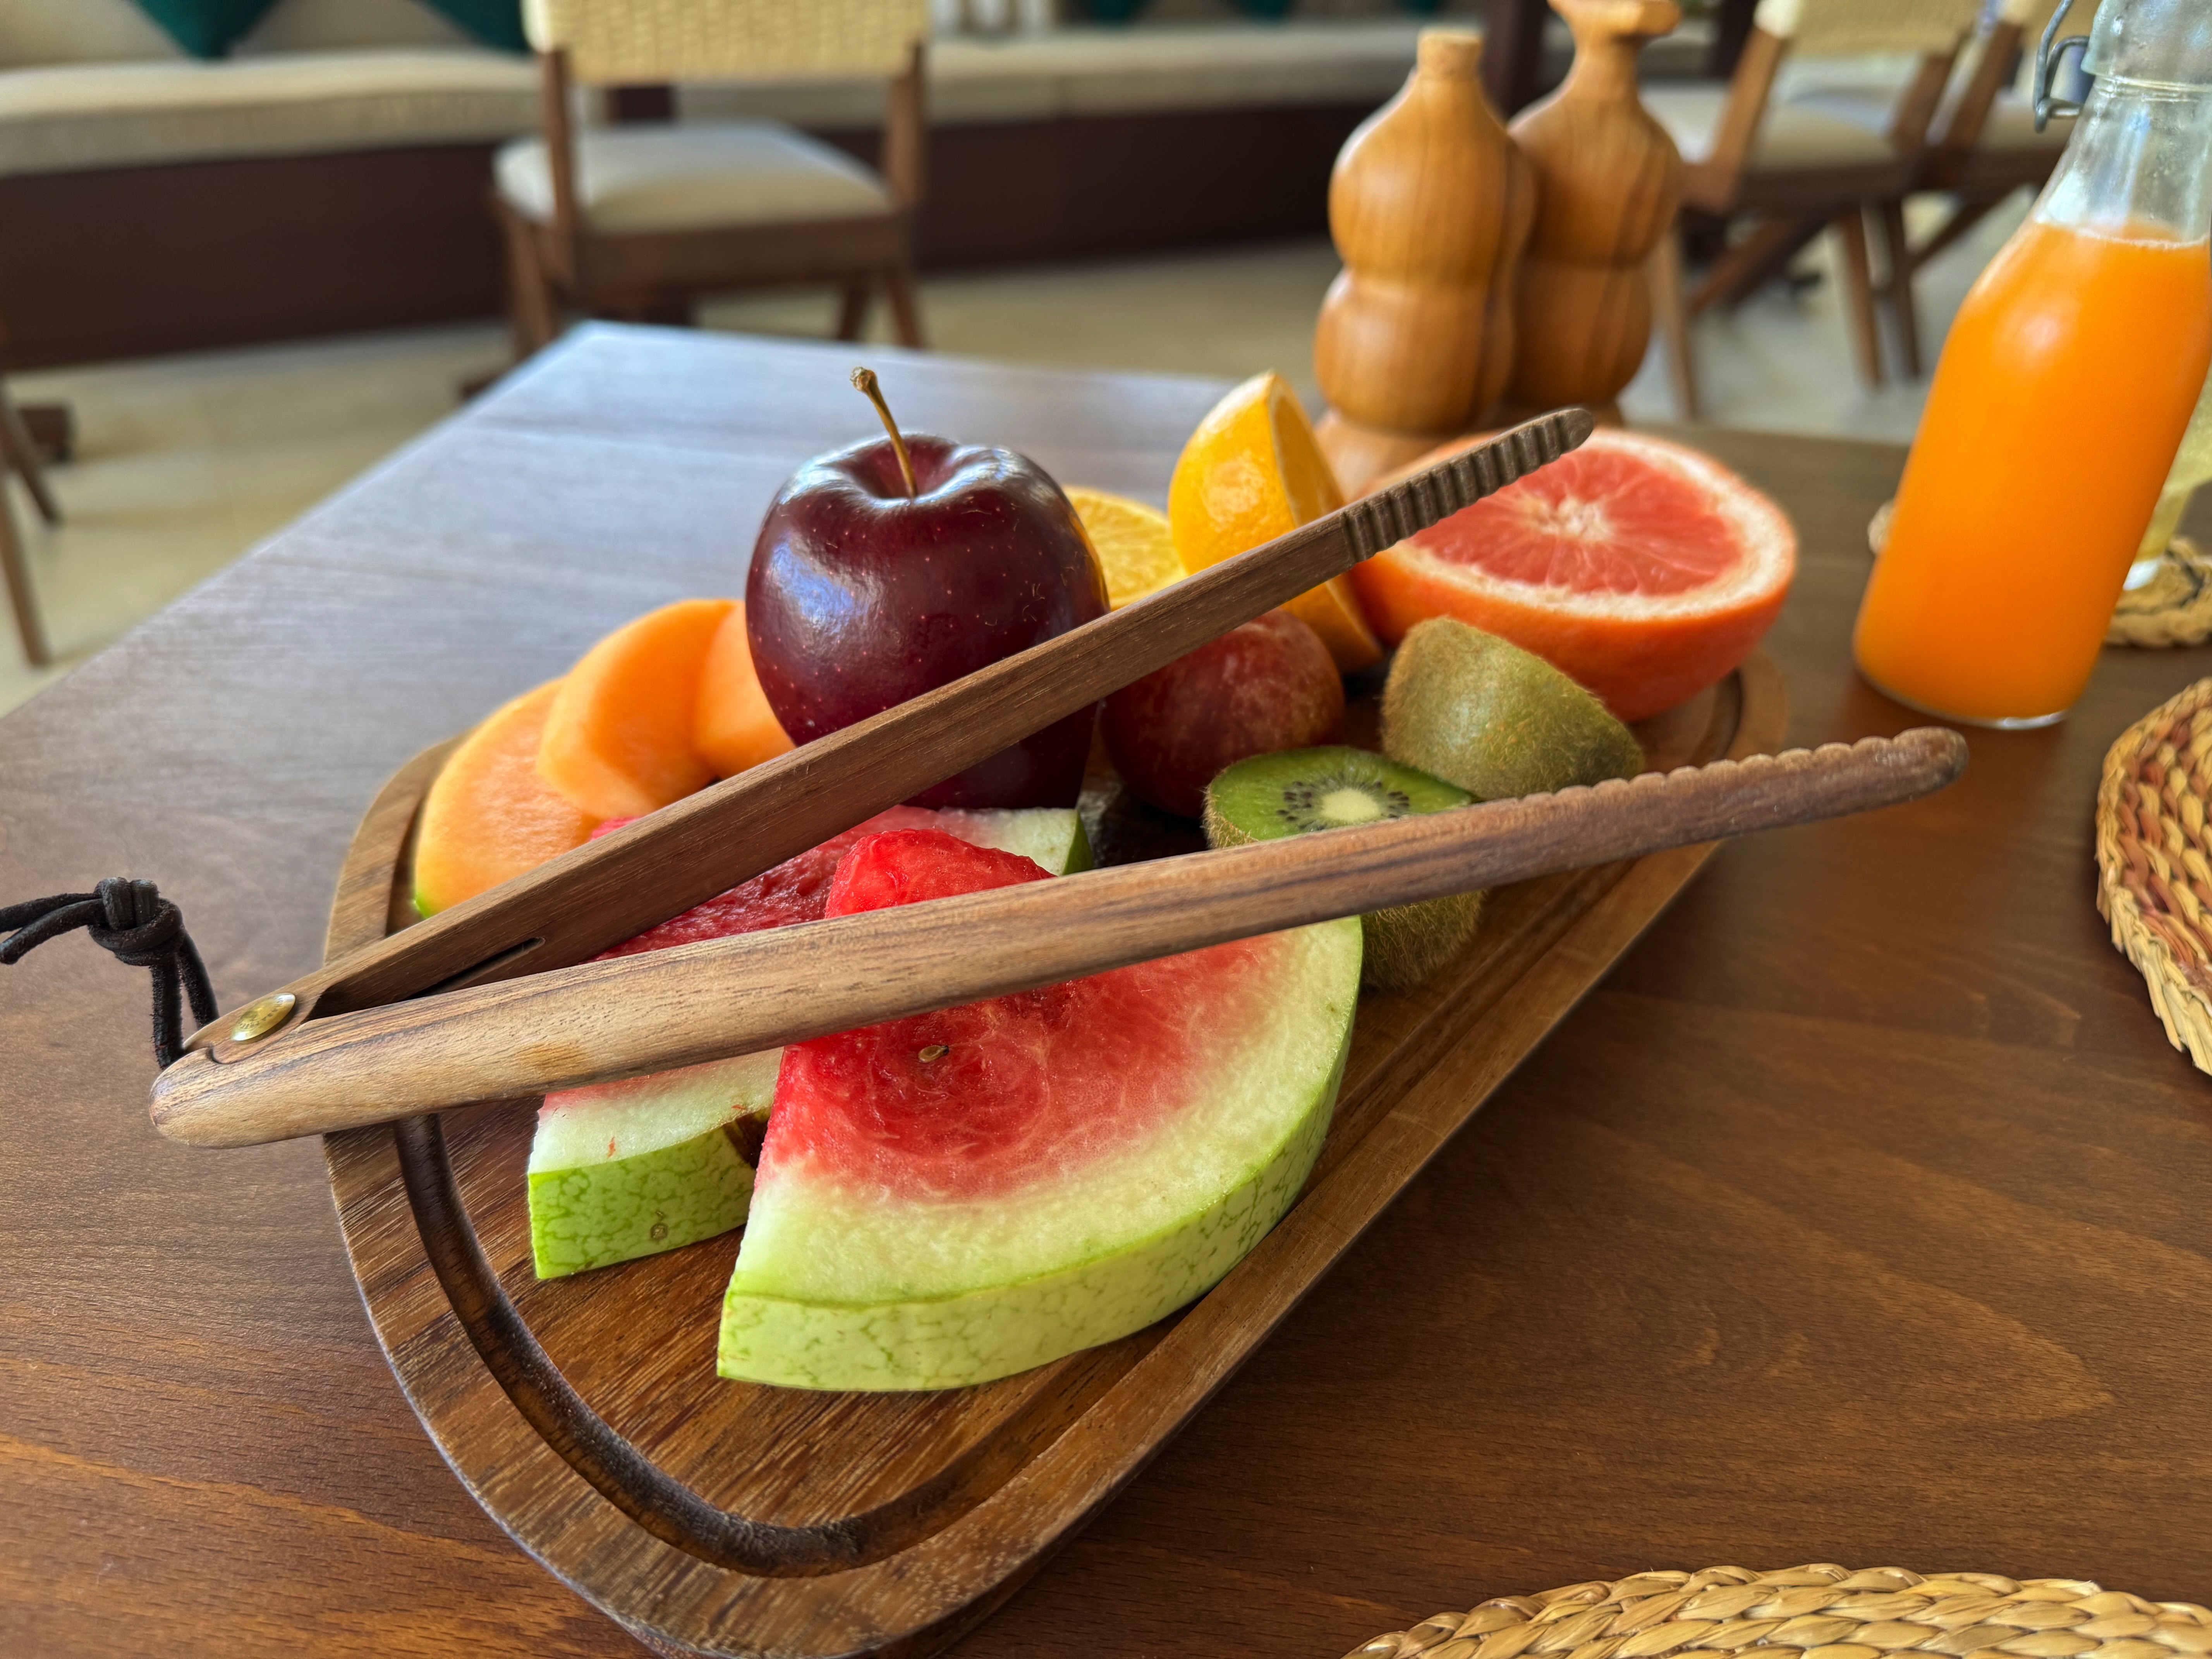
(1793, 135)
(692, 176)
(2010, 126)
(80, 116)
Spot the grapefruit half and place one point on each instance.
(1645, 570)
(965, 1194)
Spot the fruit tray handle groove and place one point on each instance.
(663, 1506)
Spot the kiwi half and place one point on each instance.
(1495, 720)
(1302, 790)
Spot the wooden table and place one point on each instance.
(1861, 1216)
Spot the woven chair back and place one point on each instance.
(1825, 28)
(2033, 15)
(658, 42)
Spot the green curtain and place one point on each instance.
(205, 28)
(495, 22)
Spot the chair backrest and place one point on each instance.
(1823, 27)
(2014, 32)
(2032, 17)
(656, 42)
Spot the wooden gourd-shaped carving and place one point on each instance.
(1608, 179)
(1429, 205)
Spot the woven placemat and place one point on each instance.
(2174, 607)
(1820, 1612)
(2154, 879)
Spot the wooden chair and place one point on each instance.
(1793, 169)
(1985, 146)
(631, 220)
(20, 454)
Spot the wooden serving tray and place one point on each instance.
(716, 1518)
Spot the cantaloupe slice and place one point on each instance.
(618, 738)
(736, 727)
(488, 815)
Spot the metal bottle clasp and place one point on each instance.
(2049, 61)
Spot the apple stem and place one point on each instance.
(864, 380)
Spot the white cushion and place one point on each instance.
(1093, 69)
(79, 116)
(688, 177)
(2010, 126)
(1792, 135)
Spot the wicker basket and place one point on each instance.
(2154, 877)
(1821, 1612)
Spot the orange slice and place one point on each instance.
(1251, 472)
(736, 728)
(488, 816)
(619, 738)
(1135, 547)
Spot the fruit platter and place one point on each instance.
(823, 1351)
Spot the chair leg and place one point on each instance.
(530, 308)
(1744, 267)
(852, 309)
(1859, 294)
(1965, 216)
(21, 596)
(1672, 312)
(23, 454)
(1897, 284)
(906, 321)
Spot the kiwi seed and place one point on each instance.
(1301, 791)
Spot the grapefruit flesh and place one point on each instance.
(965, 1194)
(619, 1171)
(1645, 570)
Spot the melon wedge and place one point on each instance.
(734, 727)
(959, 1196)
(621, 737)
(620, 1170)
(488, 816)
(625, 1170)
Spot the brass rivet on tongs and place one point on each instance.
(258, 1019)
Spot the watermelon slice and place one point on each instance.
(619, 1171)
(964, 1195)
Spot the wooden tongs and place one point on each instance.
(440, 1014)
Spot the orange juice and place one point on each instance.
(2062, 393)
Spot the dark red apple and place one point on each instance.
(860, 597)
(1270, 684)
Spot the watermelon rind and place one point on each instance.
(937, 1319)
(1050, 836)
(619, 1171)
(677, 1173)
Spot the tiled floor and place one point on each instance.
(184, 463)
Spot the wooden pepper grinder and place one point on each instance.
(1430, 204)
(1609, 180)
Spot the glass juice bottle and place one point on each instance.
(2060, 400)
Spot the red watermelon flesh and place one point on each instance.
(986, 1099)
(968, 1193)
(622, 1170)
(794, 890)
